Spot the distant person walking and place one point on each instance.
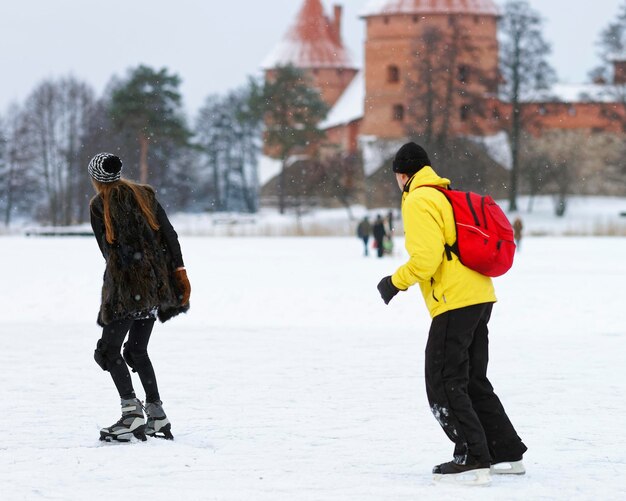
(379, 235)
(363, 231)
(460, 301)
(145, 278)
(518, 226)
(390, 222)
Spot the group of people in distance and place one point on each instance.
(382, 230)
(145, 279)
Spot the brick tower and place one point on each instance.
(313, 43)
(396, 52)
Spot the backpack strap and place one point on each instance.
(454, 248)
(450, 249)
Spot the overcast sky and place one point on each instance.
(213, 45)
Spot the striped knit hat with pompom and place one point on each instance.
(105, 167)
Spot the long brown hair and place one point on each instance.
(105, 190)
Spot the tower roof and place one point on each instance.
(388, 7)
(313, 41)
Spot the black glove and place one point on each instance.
(387, 289)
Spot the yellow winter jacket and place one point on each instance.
(428, 226)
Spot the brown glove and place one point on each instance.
(183, 283)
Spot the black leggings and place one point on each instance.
(135, 355)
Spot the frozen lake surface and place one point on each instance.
(289, 379)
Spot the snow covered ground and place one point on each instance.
(289, 379)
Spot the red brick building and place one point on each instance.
(376, 103)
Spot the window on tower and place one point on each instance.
(393, 74)
(463, 73)
(398, 112)
(464, 112)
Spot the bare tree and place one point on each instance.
(443, 81)
(612, 71)
(525, 69)
(19, 183)
(342, 178)
(56, 115)
(557, 157)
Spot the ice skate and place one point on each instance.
(158, 425)
(508, 468)
(462, 474)
(131, 424)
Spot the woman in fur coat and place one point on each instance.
(144, 279)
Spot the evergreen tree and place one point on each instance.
(148, 105)
(292, 109)
(524, 66)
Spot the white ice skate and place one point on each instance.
(508, 468)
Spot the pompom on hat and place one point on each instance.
(105, 167)
(410, 158)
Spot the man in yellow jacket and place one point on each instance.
(460, 302)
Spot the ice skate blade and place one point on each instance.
(123, 437)
(470, 478)
(508, 468)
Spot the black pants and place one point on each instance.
(460, 395)
(135, 354)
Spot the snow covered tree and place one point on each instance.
(19, 183)
(228, 133)
(292, 109)
(524, 67)
(148, 104)
(6, 176)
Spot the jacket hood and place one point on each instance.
(425, 176)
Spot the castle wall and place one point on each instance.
(392, 41)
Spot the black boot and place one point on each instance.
(473, 473)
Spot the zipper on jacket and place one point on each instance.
(432, 285)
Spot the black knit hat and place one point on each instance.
(410, 158)
(105, 167)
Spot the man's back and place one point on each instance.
(429, 224)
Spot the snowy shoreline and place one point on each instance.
(585, 216)
(289, 379)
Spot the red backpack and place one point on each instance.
(484, 237)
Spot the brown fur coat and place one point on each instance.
(139, 278)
